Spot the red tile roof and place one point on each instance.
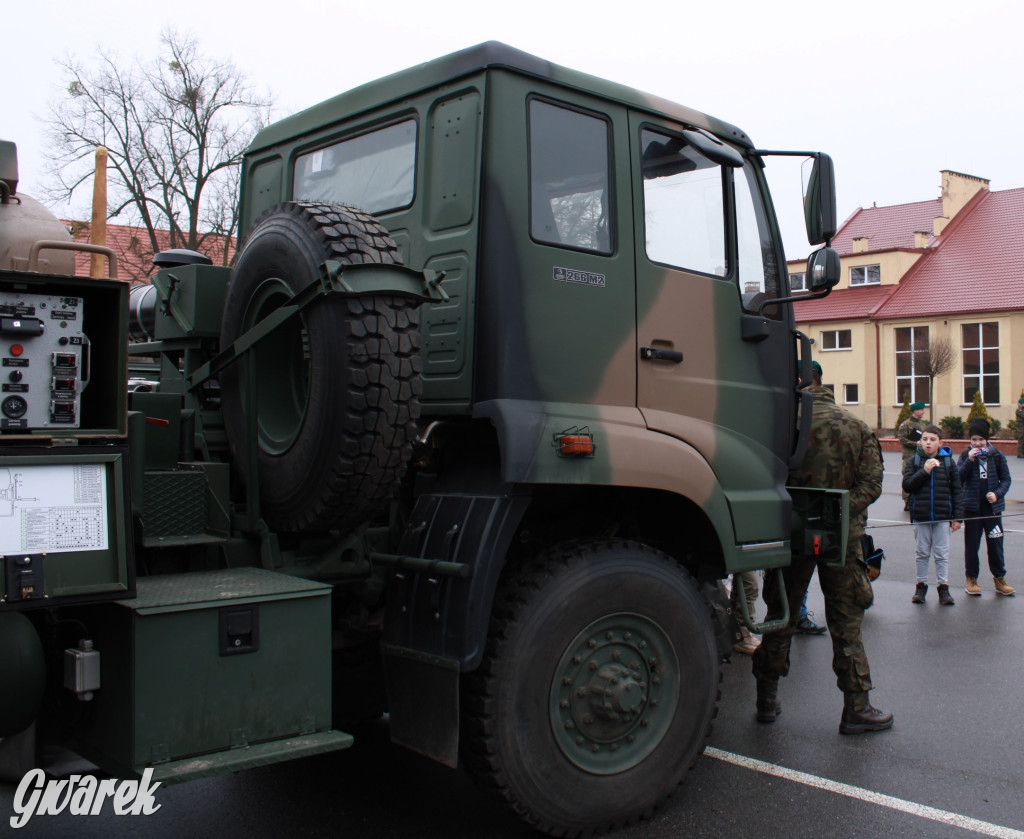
(976, 266)
(134, 255)
(844, 304)
(887, 228)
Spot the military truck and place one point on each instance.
(502, 382)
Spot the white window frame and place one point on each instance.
(981, 375)
(798, 281)
(864, 272)
(836, 333)
(914, 375)
(846, 394)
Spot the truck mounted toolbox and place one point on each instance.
(208, 672)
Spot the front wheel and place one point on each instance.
(598, 687)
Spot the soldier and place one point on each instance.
(1020, 427)
(842, 453)
(909, 434)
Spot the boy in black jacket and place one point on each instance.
(985, 477)
(936, 506)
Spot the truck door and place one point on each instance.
(711, 371)
(556, 289)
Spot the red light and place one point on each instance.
(17, 349)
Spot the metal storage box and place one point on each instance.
(210, 665)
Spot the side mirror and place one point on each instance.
(823, 270)
(820, 201)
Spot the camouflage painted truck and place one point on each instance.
(474, 454)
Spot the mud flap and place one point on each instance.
(423, 698)
(722, 617)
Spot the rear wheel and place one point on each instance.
(337, 388)
(597, 690)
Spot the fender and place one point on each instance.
(628, 453)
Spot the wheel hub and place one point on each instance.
(614, 693)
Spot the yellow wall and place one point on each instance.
(853, 366)
(947, 398)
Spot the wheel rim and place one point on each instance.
(282, 370)
(614, 693)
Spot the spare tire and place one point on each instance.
(338, 387)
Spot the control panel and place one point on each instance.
(43, 355)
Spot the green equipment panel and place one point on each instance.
(202, 665)
(64, 526)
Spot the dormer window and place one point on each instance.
(866, 275)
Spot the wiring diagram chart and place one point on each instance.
(53, 508)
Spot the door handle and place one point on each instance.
(654, 354)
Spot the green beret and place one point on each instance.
(817, 369)
(1021, 400)
(917, 406)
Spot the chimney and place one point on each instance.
(921, 238)
(860, 244)
(957, 190)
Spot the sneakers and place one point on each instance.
(919, 593)
(807, 626)
(945, 598)
(973, 588)
(866, 719)
(1003, 587)
(748, 643)
(768, 708)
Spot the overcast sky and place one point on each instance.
(894, 91)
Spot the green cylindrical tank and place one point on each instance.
(23, 666)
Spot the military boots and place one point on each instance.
(867, 718)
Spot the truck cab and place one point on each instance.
(502, 382)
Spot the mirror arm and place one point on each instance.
(777, 301)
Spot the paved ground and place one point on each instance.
(952, 765)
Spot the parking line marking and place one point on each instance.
(919, 810)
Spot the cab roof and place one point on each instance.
(450, 68)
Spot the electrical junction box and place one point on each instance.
(212, 671)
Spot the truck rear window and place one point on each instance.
(570, 173)
(375, 171)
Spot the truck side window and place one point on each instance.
(684, 206)
(374, 171)
(570, 176)
(758, 264)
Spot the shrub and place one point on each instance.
(978, 409)
(904, 413)
(952, 428)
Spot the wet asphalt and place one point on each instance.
(951, 766)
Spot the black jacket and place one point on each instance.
(998, 480)
(936, 496)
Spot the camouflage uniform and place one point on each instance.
(843, 453)
(1020, 430)
(909, 442)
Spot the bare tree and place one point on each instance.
(939, 358)
(175, 129)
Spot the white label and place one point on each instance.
(53, 509)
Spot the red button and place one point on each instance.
(17, 349)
